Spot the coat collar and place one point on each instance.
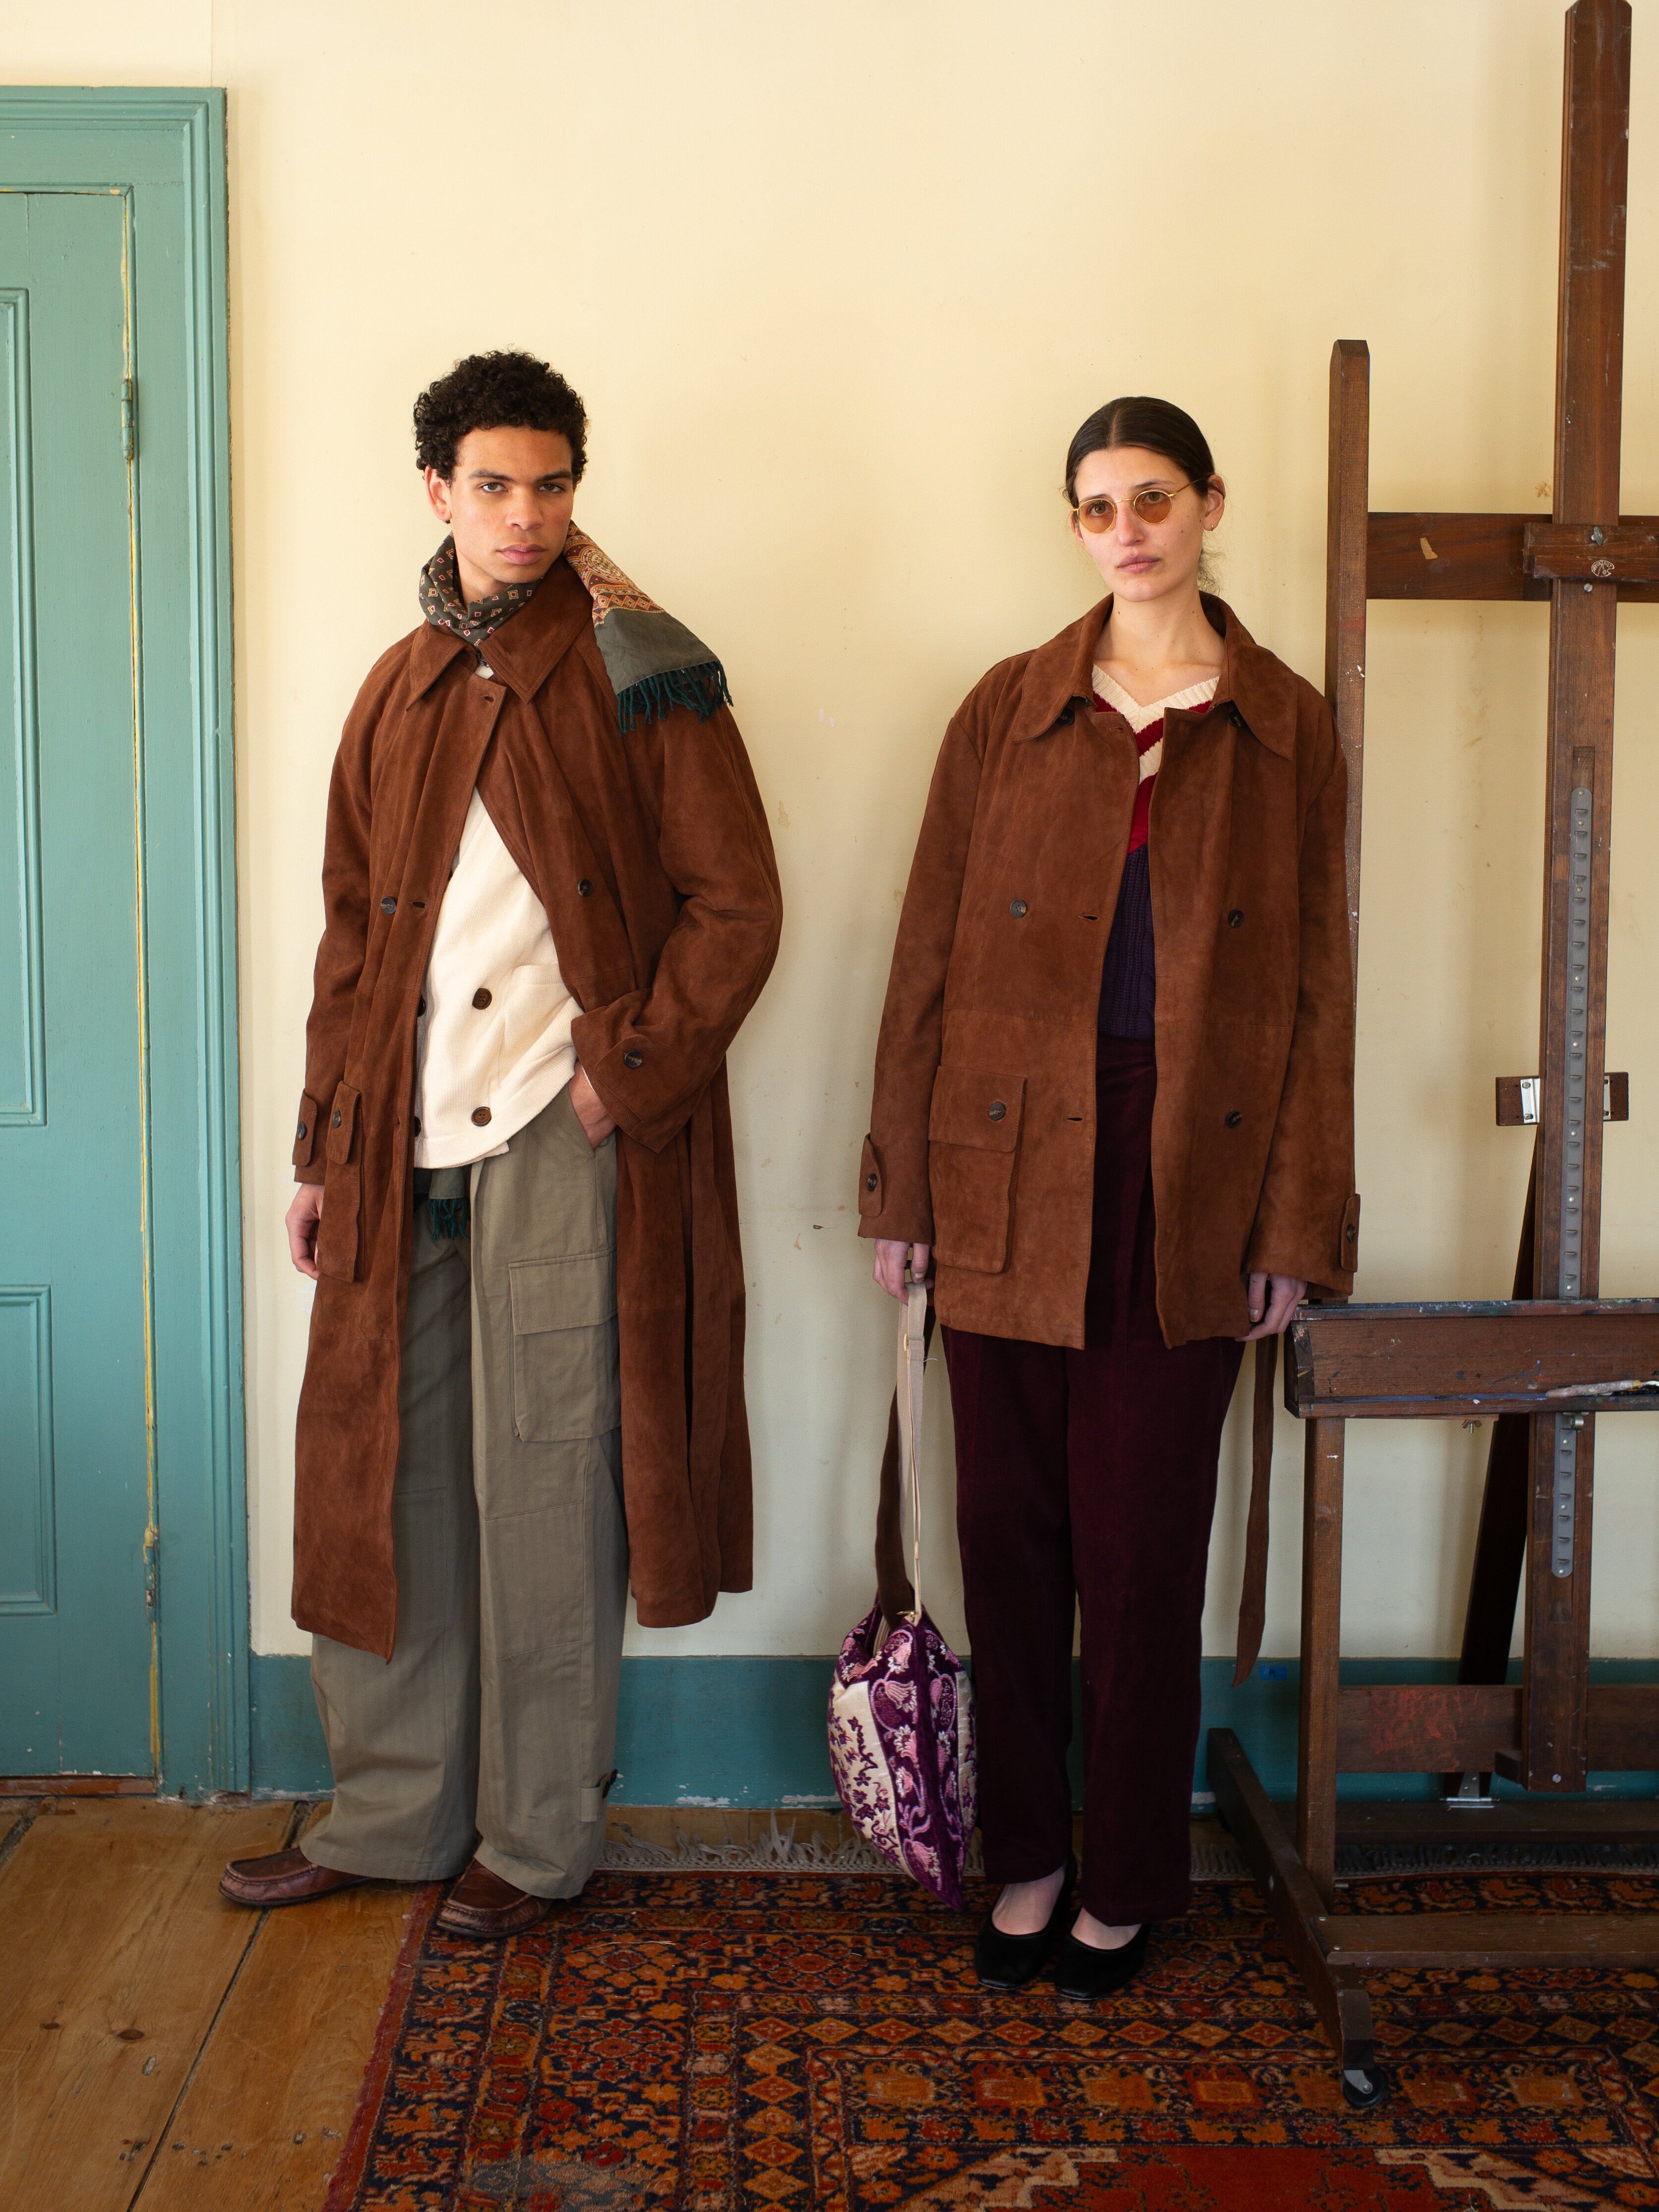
(526, 647)
(1254, 681)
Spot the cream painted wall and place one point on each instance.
(837, 283)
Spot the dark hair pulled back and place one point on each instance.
(1157, 424)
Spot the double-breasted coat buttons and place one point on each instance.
(1234, 1118)
(1236, 919)
(583, 888)
(1017, 908)
(388, 906)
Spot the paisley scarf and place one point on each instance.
(654, 663)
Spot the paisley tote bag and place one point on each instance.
(902, 1707)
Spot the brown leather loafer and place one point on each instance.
(282, 1878)
(481, 1904)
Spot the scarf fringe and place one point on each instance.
(703, 688)
(449, 1217)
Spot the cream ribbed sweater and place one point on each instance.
(492, 1043)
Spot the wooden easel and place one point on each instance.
(1546, 1362)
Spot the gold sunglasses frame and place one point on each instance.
(1152, 491)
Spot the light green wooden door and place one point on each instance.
(75, 1635)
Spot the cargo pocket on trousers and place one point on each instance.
(565, 1381)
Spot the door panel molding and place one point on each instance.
(164, 151)
(28, 1549)
(22, 994)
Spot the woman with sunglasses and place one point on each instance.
(1113, 1104)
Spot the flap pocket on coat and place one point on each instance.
(976, 1106)
(565, 1383)
(342, 1124)
(973, 1130)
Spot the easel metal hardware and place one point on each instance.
(1521, 1098)
(1545, 1732)
(1623, 553)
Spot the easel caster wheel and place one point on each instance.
(1364, 2087)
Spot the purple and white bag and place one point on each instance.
(901, 1708)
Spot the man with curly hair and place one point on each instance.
(550, 899)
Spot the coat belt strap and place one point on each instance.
(1253, 1600)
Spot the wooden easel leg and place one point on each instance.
(1339, 1995)
(1321, 1645)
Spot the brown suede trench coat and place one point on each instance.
(650, 855)
(983, 1131)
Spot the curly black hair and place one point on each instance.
(494, 391)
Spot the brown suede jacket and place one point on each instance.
(982, 1129)
(652, 856)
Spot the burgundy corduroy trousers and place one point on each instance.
(1087, 1479)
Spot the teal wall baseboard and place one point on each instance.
(751, 1731)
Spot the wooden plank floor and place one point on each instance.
(159, 2047)
(162, 2050)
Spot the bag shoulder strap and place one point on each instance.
(899, 1593)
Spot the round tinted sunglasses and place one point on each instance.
(1152, 506)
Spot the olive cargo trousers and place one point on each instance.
(497, 1713)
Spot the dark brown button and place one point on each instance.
(633, 1060)
(415, 1123)
(998, 1109)
(1233, 1119)
(335, 1123)
(1018, 906)
(388, 906)
(870, 1181)
(1349, 1233)
(583, 888)
(1236, 919)
(481, 999)
(300, 1131)
(481, 1115)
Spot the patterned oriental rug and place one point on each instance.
(817, 2043)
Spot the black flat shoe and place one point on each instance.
(1008, 1962)
(1082, 1972)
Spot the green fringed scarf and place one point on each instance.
(654, 663)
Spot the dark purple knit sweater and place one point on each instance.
(1129, 981)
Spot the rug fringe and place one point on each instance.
(777, 1851)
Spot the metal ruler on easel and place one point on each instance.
(1565, 1488)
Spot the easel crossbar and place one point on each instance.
(1444, 1358)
